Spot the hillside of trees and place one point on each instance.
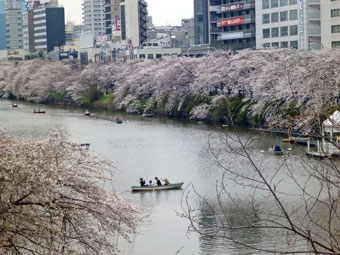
(262, 87)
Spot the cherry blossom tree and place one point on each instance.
(53, 200)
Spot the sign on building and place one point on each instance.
(231, 22)
(232, 7)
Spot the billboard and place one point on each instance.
(116, 25)
(229, 36)
(232, 7)
(231, 22)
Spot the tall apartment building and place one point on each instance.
(133, 22)
(288, 23)
(3, 45)
(94, 17)
(330, 24)
(201, 20)
(14, 32)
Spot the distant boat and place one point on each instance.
(147, 115)
(300, 140)
(160, 187)
(276, 152)
(39, 111)
(14, 105)
(87, 113)
(119, 120)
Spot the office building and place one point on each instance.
(133, 22)
(288, 23)
(94, 17)
(232, 24)
(201, 21)
(44, 27)
(330, 24)
(112, 19)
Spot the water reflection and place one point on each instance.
(164, 148)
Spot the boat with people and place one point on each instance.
(39, 111)
(276, 150)
(14, 105)
(87, 113)
(119, 120)
(177, 185)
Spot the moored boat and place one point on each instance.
(14, 105)
(276, 152)
(300, 140)
(147, 115)
(87, 113)
(158, 187)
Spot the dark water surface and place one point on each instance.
(148, 148)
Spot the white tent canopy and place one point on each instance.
(332, 123)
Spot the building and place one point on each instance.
(330, 24)
(232, 24)
(112, 19)
(44, 27)
(3, 45)
(94, 17)
(288, 23)
(14, 32)
(201, 21)
(133, 22)
(188, 25)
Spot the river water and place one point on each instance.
(148, 148)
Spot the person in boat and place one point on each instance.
(166, 181)
(118, 118)
(158, 181)
(34, 110)
(278, 148)
(142, 182)
(150, 183)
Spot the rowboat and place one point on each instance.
(159, 187)
(276, 152)
(41, 112)
(147, 115)
(87, 113)
(14, 105)
(119, 120)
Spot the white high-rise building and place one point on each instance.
(94, 17)
(288, 23)
(330, 24)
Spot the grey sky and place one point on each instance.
(163, 12)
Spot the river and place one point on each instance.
(148, 148)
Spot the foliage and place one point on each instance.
(308, 80)
(52, 200)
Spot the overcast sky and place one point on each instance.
(163, 12)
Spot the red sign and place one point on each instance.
(232, 7)
(231, 22)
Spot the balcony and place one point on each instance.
(314, 2)
(314, 16)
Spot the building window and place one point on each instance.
(336, 29)
(275, 3)
(150, 56)
(293, 15)
(275, 32)
(283, 3)
(266, 33)
(265, 4)
(284, 31)
(293, 30)
(158, 55)
(266, 45)
(275, 17)
(294, 44)
(266, 18)
(335, 12)
(284, 44)
(284, 16)
(275, 45)
(336, 44)
(292, 2)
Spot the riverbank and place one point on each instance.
(275, 88)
